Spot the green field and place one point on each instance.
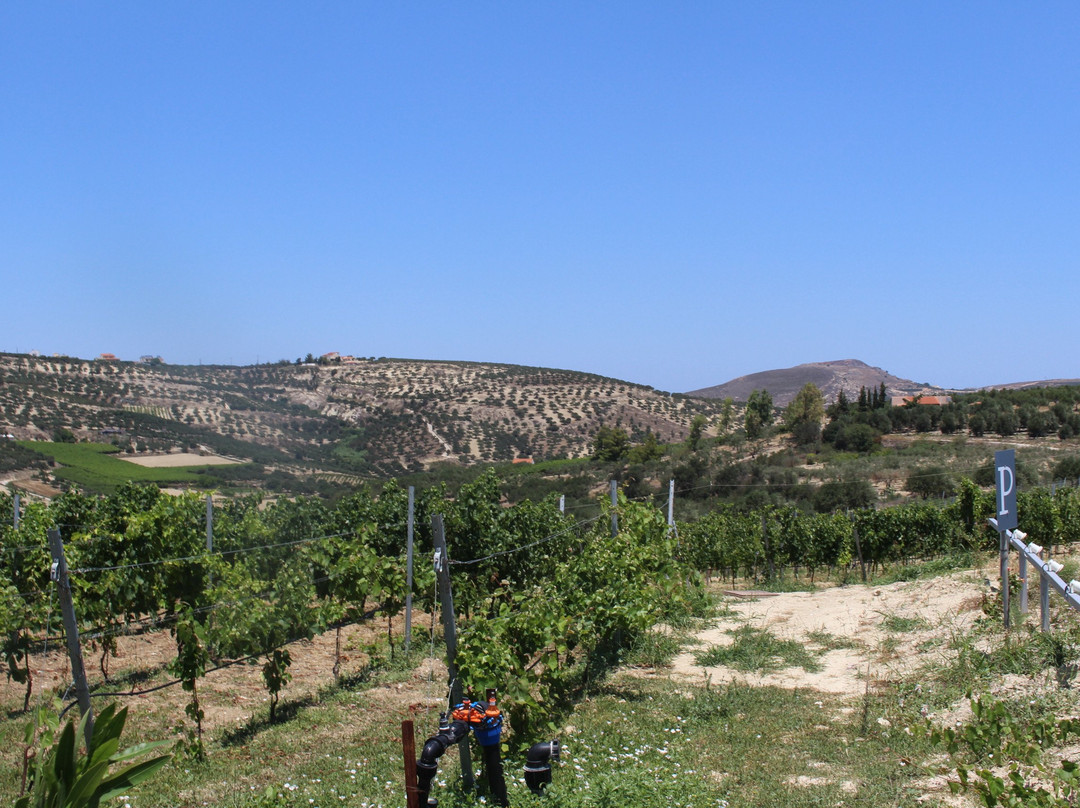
(94, 467)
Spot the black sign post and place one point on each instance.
(1005, 499)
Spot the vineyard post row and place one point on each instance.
(726, 540)
(409, 553)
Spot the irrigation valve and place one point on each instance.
(485, 720)
(1074, 586)
(1019, 535)
(1054, 566)
(1035, 548)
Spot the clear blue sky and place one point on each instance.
(670, 193)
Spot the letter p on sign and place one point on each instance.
(1005, 477)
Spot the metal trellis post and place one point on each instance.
(1023, 584)
(858, 551)
(1004, 549)
(409, 571)
(71, 629)
(614, 509)
(446, 596)
(1044, 602)
(209, 523)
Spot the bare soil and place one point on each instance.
(852, 614)
(178, 460)
(233, 695)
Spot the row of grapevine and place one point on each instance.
(541, 639)
(284, 571)
(545, 602)
(278, 572)
(734, 542)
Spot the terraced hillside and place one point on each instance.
(379, 416)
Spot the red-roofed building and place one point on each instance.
(930, 401)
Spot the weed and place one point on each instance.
(755, 649)
(926, 569)
(831, 642)
(655, 649)
(900, 624)
(887, 648)
(783, 584)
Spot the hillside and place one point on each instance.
(848, 375)
(379, 417)
(1031, 385)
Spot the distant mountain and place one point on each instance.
(848, 375)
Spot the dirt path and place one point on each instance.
(894, 629)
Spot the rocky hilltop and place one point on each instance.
(848, 375)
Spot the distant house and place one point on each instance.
(349, 360)
(527, 460)
(928, 401)
(151, 360)
(333, 356)
(109, 357)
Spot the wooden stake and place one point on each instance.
(408, 748)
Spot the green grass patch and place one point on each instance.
(655, 649)
(831, 642)
(926, 569)
(556, 465)
(900, 624)
(634, 742)
(757, 650)
(782, 584)
(95, 467)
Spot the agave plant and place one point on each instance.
(64, 775)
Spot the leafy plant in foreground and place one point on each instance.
(64, 776)
(995, 737)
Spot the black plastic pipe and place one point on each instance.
(493, 769)
(434, 748)
(538, 764)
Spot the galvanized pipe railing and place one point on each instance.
(1031, 553)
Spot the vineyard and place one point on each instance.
(546, 603)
